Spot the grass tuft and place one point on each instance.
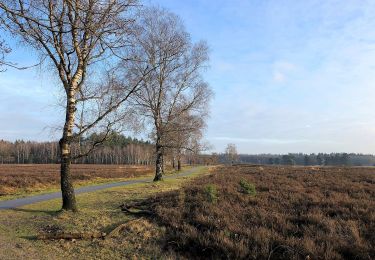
(248, 188)
(211, 193)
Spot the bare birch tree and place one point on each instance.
(184, 136)
(231, 154)
(76, 37)
(4, 49)
(175, 87)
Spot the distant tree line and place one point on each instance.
(324, 159)
(117, 149)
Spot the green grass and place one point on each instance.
(248, 188)
(98, 211)
(211, 193)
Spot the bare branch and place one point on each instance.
(74, 35)
(174, 98)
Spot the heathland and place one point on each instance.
(243, 212)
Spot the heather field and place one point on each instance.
(273, 213)
(224, 212)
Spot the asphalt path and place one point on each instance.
(15, 203)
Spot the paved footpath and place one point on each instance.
(10, 204)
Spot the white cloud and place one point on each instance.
(269, 140)
(285, 66)
(278, 76)
(283, 69)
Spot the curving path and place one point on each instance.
(10, 204)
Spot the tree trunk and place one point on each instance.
(159, 163)
(179, 164)
(67, 190)
(68, 196)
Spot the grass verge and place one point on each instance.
(99, 211)
(49, 187)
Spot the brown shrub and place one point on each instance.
(297, 212)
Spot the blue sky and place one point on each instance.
(288, 76)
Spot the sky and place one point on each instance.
(288, 76)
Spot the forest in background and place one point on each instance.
(324, 159)
(121, 149)
(117, 149)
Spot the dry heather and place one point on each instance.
(15, 178)
(295, 213)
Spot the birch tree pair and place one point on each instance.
(104, 54)
(174, 98)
